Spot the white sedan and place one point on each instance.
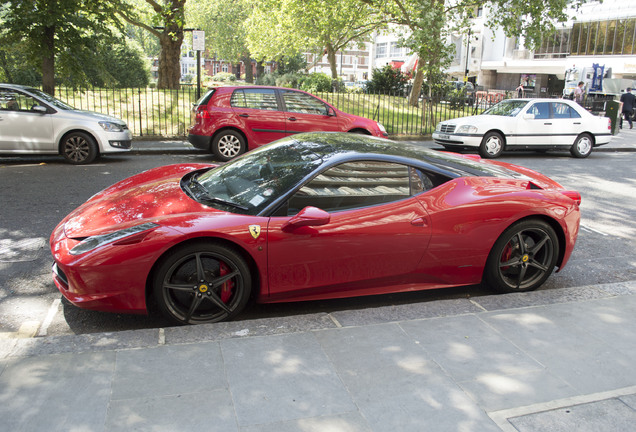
(33, 122)
(527, 124)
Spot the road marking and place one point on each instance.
(587, 228)
(53, 309)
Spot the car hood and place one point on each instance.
(89, 115)
(477, 120)
(147, 197)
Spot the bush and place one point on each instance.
(290, 80)
(224, 76)
(267, 79)
(316, 82)
(387, 80)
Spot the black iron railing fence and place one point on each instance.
(151, 112)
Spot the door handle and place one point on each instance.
(577, 122)
(244, 115)
(547, 123)
(419, 221)
(292, 119)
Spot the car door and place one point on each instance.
(567, 123)
(23, 129)
(259, 115)
(376, 234)
(537, 130)
(305, 113)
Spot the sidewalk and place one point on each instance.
(624, 141)
(557, 360)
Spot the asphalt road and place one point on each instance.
(37, 192)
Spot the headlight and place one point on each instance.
(111, 127)
(381, 128)
(466, 129)
(90, 243)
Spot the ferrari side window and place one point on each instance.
(355, 185)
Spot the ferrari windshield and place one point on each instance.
(507, 108)
(252, 182)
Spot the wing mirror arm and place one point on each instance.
(309, 216)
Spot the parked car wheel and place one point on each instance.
(202, 283)
(228, 145)
(582, 147)
(492, 145)
(79, 148)
(523, 257)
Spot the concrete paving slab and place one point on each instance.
(495, 392)
(619, 289)
(467, 348)
(539, 298)
(209, 411)
(350, 422)
(396, 385)
(394, 313)
(95, 342)
(63, 392)
(557, 336)
(629, 400)
(607, 415)
(281, 378)
(168, 370)
(258, 327)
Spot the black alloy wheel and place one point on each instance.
(202, 283)
(523, 257)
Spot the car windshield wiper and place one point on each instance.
(200, 193)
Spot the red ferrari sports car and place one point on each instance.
(313, 216)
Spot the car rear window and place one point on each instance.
(263, 99)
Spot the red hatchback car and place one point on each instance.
(228, 121)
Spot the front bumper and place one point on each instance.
(467, 140)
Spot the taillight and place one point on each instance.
(202, 112)
(609, 124)
(574, 195)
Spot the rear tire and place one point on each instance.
(523, 257)
(582, 147)
(492, 145)
(227, 145)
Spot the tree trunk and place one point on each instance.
(48, 61)
(417, 86)
(331, 58)
(249, 73)
(169, 58)
(260, 69)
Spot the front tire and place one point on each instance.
(79, 148)
(202, 283)
(227, 145)
(523, 257)
(492, 145)
(582, 147)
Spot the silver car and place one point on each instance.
(33, 122)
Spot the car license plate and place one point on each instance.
(443, 136)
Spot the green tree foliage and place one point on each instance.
(429, 23)
(166, 21)
(387, 80)
(224, 22)
(119, 65)
(53, 36)
(287, 27)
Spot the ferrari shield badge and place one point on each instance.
(255, 230)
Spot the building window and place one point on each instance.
(396, 51)
(380, 50)
(610, 37)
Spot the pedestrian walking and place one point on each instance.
(629, 101)
(579, 92)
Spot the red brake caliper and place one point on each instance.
(226, 288)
